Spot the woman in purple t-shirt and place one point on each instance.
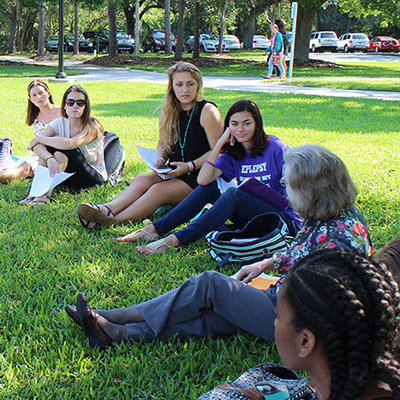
(244, 151)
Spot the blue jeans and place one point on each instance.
(271, 66)
(234, 204)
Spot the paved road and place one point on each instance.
(97, 73)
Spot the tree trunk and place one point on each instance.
(14, 26)
(179, 42)
(112, 24)
(167, 16)
(222, 25)
(25, 38)
(305, 19)
(76, 29)
(196, 30)
(129, 12)
(42, 15)
(247, 26)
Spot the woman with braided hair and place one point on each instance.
(338, 319)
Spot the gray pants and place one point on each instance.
(209, 304)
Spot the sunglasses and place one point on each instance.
(71, 102)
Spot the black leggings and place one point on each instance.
(85, 175)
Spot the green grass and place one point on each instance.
(47, 258)
(11, 71)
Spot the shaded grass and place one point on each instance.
(47, 258)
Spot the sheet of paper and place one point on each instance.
(42, 182)
(150, 157)
(263, 281)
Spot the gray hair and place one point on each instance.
(319, 184)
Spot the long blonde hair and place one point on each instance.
(169, 115)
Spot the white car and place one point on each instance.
(233, 42)
(351, 42)
(323, 41)
(261, 42)
(208, 42)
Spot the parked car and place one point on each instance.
(84, 44)
(125, 42)
(98, 38)
(261, 42)
(52, 44)
(323, 41)
(208, 42)
(384, 43)
(233, 42)
(350, 42)
(155, 41)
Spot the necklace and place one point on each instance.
(182, 143)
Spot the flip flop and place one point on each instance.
(133, 237)
(154, 247)
(34, 202)
(93, 213)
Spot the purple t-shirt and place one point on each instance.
(267, 168)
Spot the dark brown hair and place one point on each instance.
(32, 110)
(260, 138)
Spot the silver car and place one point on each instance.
(207, 43)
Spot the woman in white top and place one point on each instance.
(72, 143)
(40, 112)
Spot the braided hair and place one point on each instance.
(352, 305)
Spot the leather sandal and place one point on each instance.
(154, 247)
(72, 313)
(93, 213)
(134, 236)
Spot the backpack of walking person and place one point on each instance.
(261, 237)
(114, 157)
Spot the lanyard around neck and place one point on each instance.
(182, 143)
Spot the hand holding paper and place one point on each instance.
(42, 182)
(150, 157)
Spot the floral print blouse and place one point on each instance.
(348, 230)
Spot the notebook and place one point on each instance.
(265, 193)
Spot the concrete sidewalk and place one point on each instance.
(98, 73)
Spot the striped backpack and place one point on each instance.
(261, 237)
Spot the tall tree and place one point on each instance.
(76, 28)
(112, 24)
(42, 15)
(179, 42)
(167, 14)
(15, 25)
(222, 26)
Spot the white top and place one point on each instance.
(93, 151)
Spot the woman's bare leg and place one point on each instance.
(172, 191)
(21, 171)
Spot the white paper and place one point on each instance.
(223, 185)
(42, 182)
(150, 157)
(262, 275)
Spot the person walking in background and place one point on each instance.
(276, 50)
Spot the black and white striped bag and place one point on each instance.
(261, 237)
(5, 153)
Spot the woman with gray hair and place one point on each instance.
(212, 303)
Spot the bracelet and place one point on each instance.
(48, 158)
(191, 167)
(210, 163)
(162, 159)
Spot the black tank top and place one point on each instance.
(196, 143)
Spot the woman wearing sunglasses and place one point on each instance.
(72, 143)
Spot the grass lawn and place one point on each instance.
(10, 71)
(47, 258)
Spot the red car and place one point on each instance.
(384, 43)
